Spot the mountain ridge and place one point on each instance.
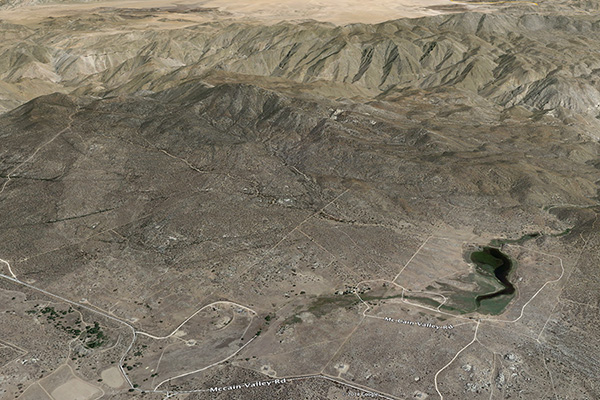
(499, 56)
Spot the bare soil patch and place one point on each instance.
(35, 392)
(112, 377)
(75, 389)
(271, 11)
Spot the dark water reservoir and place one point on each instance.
(492, 260)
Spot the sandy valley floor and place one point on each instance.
(338, 12)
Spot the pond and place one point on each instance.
(490, 260)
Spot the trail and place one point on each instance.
(562, 273)
(10, 271)
(410, 259)
(108, 316)
(15, 169)
(435, 378)
(133, 331)
(208, 366)
(365, 391)
(193, 315)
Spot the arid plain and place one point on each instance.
(213, 200)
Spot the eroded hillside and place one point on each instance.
(212, 207)
(516, 57)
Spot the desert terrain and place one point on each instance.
(265, 11)
(316, 200)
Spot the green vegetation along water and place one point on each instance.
(492, 260)
(493, 289)
(493, 292)
(492, 277)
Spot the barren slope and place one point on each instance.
(213, 207)
(544, 62)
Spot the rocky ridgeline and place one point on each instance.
(514, 57)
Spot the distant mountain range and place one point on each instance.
(541, 62)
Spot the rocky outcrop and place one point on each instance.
(528, 59)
